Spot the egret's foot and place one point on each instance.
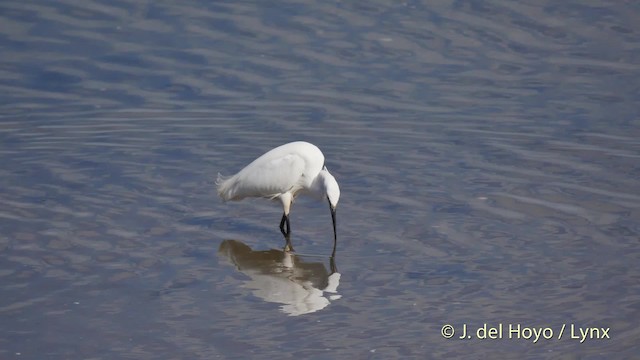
(288, 247)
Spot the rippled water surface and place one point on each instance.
(488, 154)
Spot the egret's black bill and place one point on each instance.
(333, 219)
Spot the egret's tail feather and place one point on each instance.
(223, 187)
(220, 179)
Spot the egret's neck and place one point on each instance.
(325, 185)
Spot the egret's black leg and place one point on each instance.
(287, 233)
(288, 226)
(285, 218)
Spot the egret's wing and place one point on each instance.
(266, 177)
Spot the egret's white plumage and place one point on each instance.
(283, 173)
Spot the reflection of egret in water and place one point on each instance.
(284, 278)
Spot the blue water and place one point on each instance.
(487, 151)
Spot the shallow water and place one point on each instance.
(487, 153)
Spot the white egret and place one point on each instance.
(282, 174)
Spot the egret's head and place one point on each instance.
(330, 187)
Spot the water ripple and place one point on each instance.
(487, 153)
